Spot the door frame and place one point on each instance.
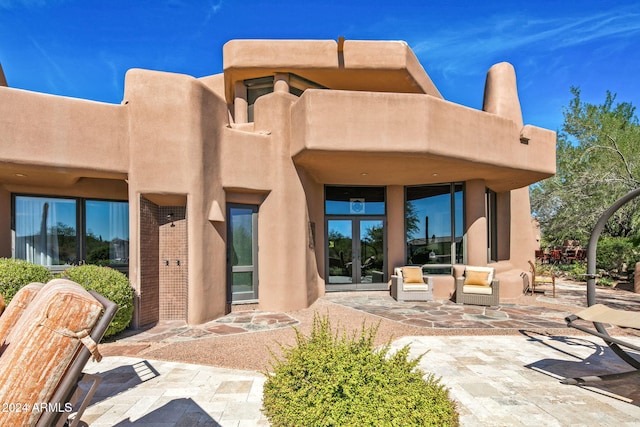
(356, 248)
(244, 297)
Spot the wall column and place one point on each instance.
(396, 241)
(240, 105)
(476, 222)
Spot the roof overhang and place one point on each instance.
(377, 66)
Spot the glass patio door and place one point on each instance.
(242, 252)
(371, 251)
(355, 252)
(341, 252)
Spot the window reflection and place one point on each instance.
(434, 224)
(354, 200)
(53, 231)
(107, 232)
(45, 230)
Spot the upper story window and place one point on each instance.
(264, 85)
(58, 231)
(255, 89)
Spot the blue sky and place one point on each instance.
(83, 48)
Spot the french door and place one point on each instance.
(242, 252)
(355, 253)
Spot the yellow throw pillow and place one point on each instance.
(478, 278)
(412, 274)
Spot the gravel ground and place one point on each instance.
(253, 350)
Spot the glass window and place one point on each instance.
(45, 230)
(458, 209)
(255, 89)
(107, 232)
(434, 224)
(491, 208)
(53, 231)
(354, 200)
(264, 85)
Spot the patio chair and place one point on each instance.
(478, 286)
(408, 284)
(46, 352)
(541, 279)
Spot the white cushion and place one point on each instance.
(415, 287)
(478, 290)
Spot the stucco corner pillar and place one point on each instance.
(522, 238)
(240, 105)
(476, 221)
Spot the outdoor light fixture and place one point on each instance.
(170, 218)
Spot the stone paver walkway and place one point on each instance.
(233, 323)
(514, 380)
(151, 393)
(510, 378)
(496, 381)
(448, 315)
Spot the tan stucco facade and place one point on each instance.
(367, 114)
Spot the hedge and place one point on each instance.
(16, 273)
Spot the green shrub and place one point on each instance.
(16, 273)
(613, 252)
(112, 285)
(605, 281)
(332, 380)
(575, 271)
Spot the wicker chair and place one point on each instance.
(410, 285)
(478, 286)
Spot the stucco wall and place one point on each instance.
(288, 277)
(73, 134)
(177, 118)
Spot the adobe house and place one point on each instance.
(306, 166)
